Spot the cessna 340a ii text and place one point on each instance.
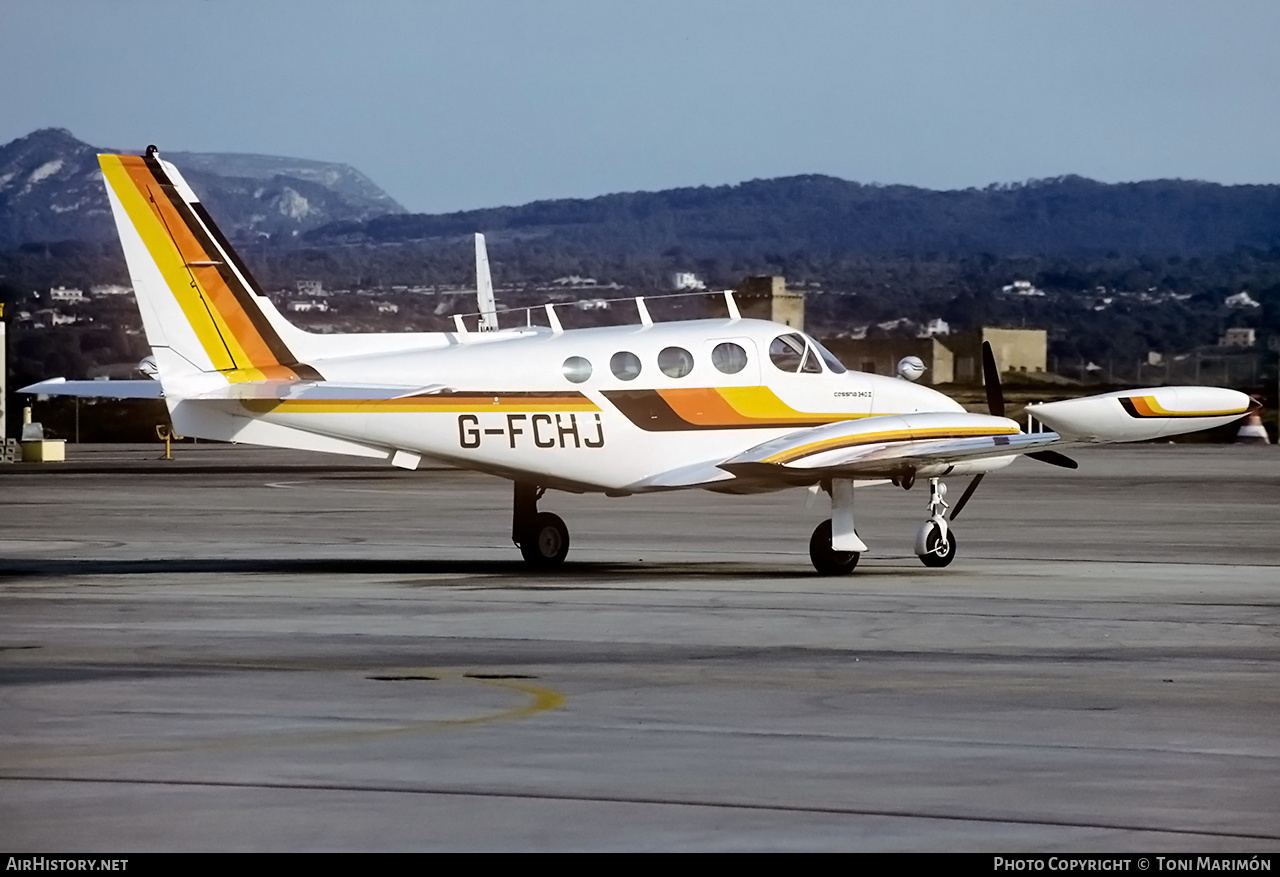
(731, 405)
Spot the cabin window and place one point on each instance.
(729, 358)
(790, 354)
(625, 365)
(675, 362)
(576, 369)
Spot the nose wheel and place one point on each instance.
(936, 542)
(939, 550)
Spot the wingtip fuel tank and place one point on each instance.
(1143, 414)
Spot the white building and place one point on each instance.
(686, 280)
(1239, 337)
(302, 307)
(64, 294)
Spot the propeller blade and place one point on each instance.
(991, 377)
(964, 497)
(1053, 458)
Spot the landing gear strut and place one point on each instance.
(935, 542)
(543, 538)
(834, 547)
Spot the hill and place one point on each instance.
(827, 217)
(51, 190)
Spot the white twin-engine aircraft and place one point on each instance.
(731, 405)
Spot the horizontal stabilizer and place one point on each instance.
(147, 389)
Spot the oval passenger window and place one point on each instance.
(729, 358)
(675, 362)
(576, 369)
(625, 365)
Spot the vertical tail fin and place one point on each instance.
(198, 300)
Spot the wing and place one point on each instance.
(869, 448)
(887, 447)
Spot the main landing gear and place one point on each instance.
(542, 537)
(826, 560)
(834, 547)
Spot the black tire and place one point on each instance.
(826, 561)
(936, 554)
(547, 542)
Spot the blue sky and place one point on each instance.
(451, 106)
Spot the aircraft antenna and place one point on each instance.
(484, 288)
(732, 305)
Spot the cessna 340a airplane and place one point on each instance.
(731, 405)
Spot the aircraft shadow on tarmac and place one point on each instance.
(516, 570)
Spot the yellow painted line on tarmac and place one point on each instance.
(540, 699)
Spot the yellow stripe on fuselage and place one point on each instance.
(423, 404)
(761, 404)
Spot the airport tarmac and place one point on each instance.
(246, 649)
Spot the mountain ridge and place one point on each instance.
(51, 189)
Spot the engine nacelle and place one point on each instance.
(1140, 415)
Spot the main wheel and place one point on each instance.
(547, 542)
(938, 553)
(825, 560)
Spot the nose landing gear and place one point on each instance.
(935, 541)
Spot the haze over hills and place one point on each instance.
(827, 217)
(51, 190)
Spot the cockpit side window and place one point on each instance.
(787, 352)
(810, 365)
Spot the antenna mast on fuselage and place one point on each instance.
(484, 289)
